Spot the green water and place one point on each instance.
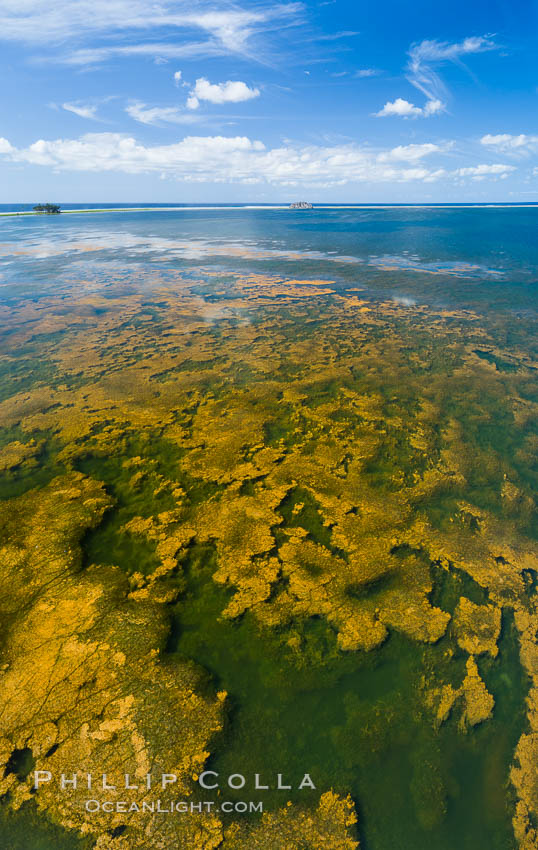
(26, 829)
(354, 721)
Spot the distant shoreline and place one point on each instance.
(522, 205)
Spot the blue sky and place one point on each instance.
(380, 101)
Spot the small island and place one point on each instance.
(49, 209)
(301, 205)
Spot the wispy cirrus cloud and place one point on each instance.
(421, 71)
(413, 152)
(426, 56)
(89, 56)
(82, 110)
(172, 25)
(361, 73)
(158, 115)
(336, 36)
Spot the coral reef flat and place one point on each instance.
(267, 509)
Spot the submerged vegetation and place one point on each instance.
(323, 499)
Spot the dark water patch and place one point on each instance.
(493, 446)
(449, 585)
(21, 375)
(502, 365)
(274, 432)
(188, 366)
(137, 490)
(29, 829)
(491, 745)
(394, 453)
(240, 374)
(117, 831)
(300, 509)
(21, 763)
(441, 506)
(12, 433)
(353, 721)
(248, 486)
(38, 471)
(280, 428)
(506, 679)
(110, 545)
(367, 589)
(530, 578)
(320, 392)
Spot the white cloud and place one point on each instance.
(521, 144)
(63, 21)
(81, 110)
(156, 115)
(5, 147)
(238, 159)
(232, 91)
(399, 107)
(480, 172)
(177, 77)
(421, 73)
(367, 72)
(432, 107)
(232, 160)
(412, 153)
(403, 109)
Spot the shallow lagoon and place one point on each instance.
(450, 292)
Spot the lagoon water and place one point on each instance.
(453, 293)
(491, 246)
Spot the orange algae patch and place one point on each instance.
(265, 404)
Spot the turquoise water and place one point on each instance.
(497, 260)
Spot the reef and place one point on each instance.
(328, 826)
(318, 443)
(83, 683)
(477, 702)
(477, 627)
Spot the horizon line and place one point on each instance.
(141, 206)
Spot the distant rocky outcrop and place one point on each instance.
(301, 205)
